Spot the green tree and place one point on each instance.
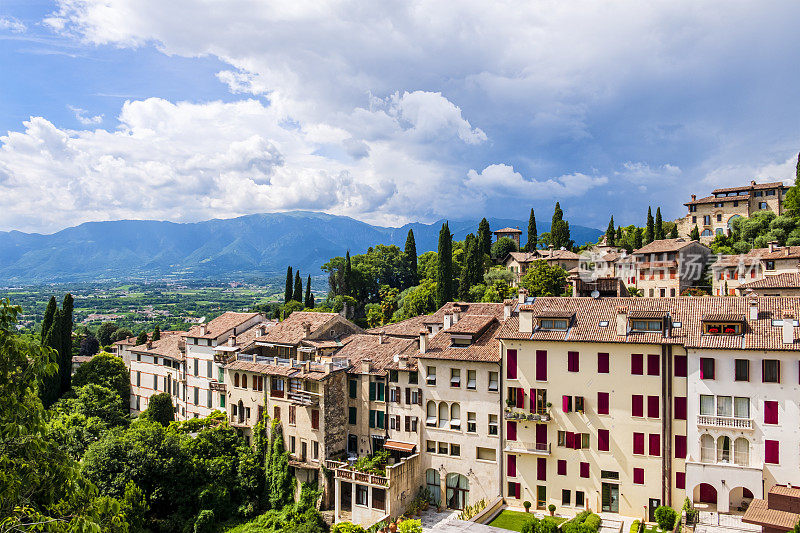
(502, 247)
(673, 232)
(533, 236)
(281, 483)
(610, 233)
(106, 370)
(544, 280)
(791, 202)
(287, 293)
(444, 269)
(104, 332)
(659, 225)
(410, 252)
(49, 314)
(484, 237)
(649, 233)
(65, 347)
(465, 281)
(637, 239)
(160, 409)
(665, 517)
(695, 235)
(309, 297)
(559, 230)
(347, 286)
(51, 385)
(121, 334)
(156, 334)
(298, 288)
(141, 339)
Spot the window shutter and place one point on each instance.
(638, 443)
(770, 412)
(520, 397)
(602, 363)
(637, 364)
(573, 362)
(419, 396)
(680, 408)
(408, 395)
(570, 439)
(511, 430)
(372, 391)
(532, 399)
(681, 370)
(372, 418)
(517, 493)
(541, 469)
(653, 361)
(680, 480)
(541, 365)
(512, 466)
(408, 423)
(603, 443)
(602, 403)
(638, 476)
(637, 405)
(562, 467)
(566, 403)
(655, 444)
(652, 406)
(771, 452)
(511, 364)
(584, 469)
(680, 446)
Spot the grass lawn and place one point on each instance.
(652, 529)
(513, 520)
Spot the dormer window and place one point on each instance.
(553, 324)
(646, 325)
(711, 328)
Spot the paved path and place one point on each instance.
(457, 526)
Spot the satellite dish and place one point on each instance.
(595, 294)
(396, 358)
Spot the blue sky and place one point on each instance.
(197, 109)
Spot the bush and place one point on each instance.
(635, 526)
(204, 522)
(547, 525)
(347, 527)
(531, 525)
(665, 517)
(160, 409)
(526, 504)
(592, 523)
(551, 508)
(584, 522)
(410, 526)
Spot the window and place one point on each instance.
(393, 376)
(196, 396)
(314, 450)
(758, 193)
(493, 425)
(653, 364)
(430, 377)
(602, 403)
(472, 424)
(553, 324)
(579, 404)
(566, 404)
(771, 451)
(430, 446)
(584, 469)
(741, 407)
(680, 446)
(138, 378)
(494, 381)
(742, 370)
(573, 361)
(609, 474)
(511, 364)
(769, 265)
(638, 443)
(770, 412)
(770, 371)
(602, 363)
(513, 490)
(652, 406)
(637, 405)
(315, 419)
(706, 368)
(637, 364)
(541, 365)
(681, 370)
(707, 405)
(442, 448)
(722, 328)
(210, 369)
(770, 193)
(455, 417)
(196, 367)
(706, 220)
(603, 440)
(381, 391)
(486, 454)
(566, 497)
(352, 387)
(655, 444)
(361, 495)
(646, 325)
(762, 205)
(541, 469)
(413, 378)
(155, 383)
(511, 430)
(561, 439)
(472, 380)
(638, 476)
(352, 414)
(680, 408)
(579, 498)
(455, 450)
(455, 377)
(724, 406)
(561, 467)
(244, 381)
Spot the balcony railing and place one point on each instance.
(711, 455)
(239, 422)
(537, 448)
(725, 422)
(217, 386)
(523, 416)
(342, 471)
(301, 397)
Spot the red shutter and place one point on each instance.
(655, 444)
(541, 365)
(541, 469)
(603, 443)
(511, 430)
(653, 364)
(637, 405)
(770, 412)
(512, 466)
(680, 446)
(314, 419)
(520, 397)
(573, 361)
(652, 406)
(517, 490)
(680, 480)
(771, 452)
(680, 408)
(638, 443)
(638, 476)
(602, 363)
(511, 364)
(681, 370)
(602, 403)
(566, 403)
(637, 364)
(570, 439)
(584, 469)
(561, 467)
(532, 400)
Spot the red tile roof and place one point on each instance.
(664, 245)
(292, 330)
(220, 325)
(787, 280)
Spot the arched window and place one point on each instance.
(444, 417)
(430, 410)
(244, 381)
(255, 382)
(457, 491)
(724, 450)
(706, 233)
(741, 452)
(434, 484)
(236, 379)
(455, 416)
(732, 220)
(707, 453)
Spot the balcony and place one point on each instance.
(535, 448)
(223, 358)
(217, 386)
(238, 422)
(343, 471)
(305, 398)
(522, 416)
(725, 422)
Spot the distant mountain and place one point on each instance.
(252, 246)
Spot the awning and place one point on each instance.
(399, 446)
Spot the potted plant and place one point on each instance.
(531, 417)
(509, 403)
(392, 526)
(552, 509)
(527, 505)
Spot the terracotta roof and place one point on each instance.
(364, 346)
(784, 252)
(719, 317)
(80, 359)
(508, 230)
(524, 257)
(553, 313)
(646, 314)
(759, 334)
(220, 325)
(471, 324)
(714, 199)
(664, 245)
(559, 254)
(399, 445)
(493, 309)
(769, 185)
(752, 257)
(291, 331)
(407, 328)
(758, 513)
(171, 345)
(262, 368)
(485, 348)
(787, 280)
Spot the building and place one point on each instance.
(511, 233)
(786, 284)
(159, 366)
(770, 271)
(667, 267)
(520, 262)
(714, 215)
(778, 513)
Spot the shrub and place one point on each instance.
(547, 525)
(160, 409)
(347, 527)
(584, 522)
(204, 522)
(592, 523)
(635, 527)
(531, 525)
(526, 504)
(665, 517)
(551, 508)
(410, 526)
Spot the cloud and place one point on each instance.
(501, 179)
(13, 25)
(81, 116)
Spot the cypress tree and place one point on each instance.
(51, 385)
(649, 233)
(444, 267)
(287, 293)
(611, 237)
(348, 275)
(156, 334)
(141, 339)
(559, 229)
(533, 237)
(412, 277)
(659, 229)
(695, 235)
(47, 321)
(637, 238)
(297, 296)
(465, 281)
(309, 297)
(673, 233)
(484, 238)
(65, 350)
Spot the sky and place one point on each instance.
(389, 112)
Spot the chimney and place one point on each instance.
(448, 320)
(456, 313)
(525, 320)
(381, 337)
(306, 366)
(786, 251)
(753, 309)
(668, 326)
(402, 362)
(262, 329)
(328, 366)
(694, 197)
(423, 340)
(232, 340)
(149, 344)
(506, 310)
(523, 295)
(752, 183)
(622, 320)
(788, 327)
(306, 329)
(366, 365)
(203, 329)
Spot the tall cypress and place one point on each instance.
(348, 276)
(673, 233)
(51, 385)
(49, 313)
(649, 232)
(309, 297)
(533, 237)
(287, 293)
(298, 288)
(611, 236)
(412, 277)
(485, 237)
(65, 350)
(281, 482)
(619, 235)
(695, 235)
(465, 281)
(559, 229)
(156, 334)
(637, 238)
(444, 267)
(659, 226)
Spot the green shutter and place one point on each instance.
(381, 391)
(353, 386)
(222, 400)
(380, 420)
(372, 418)
(372, 391)
(351, 416)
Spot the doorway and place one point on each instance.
(653, 504)
(610, 498)
(346, 496)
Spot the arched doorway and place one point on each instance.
(457, 491)
(705, 493)
(433, 484)
(740, 498)
(241, 411)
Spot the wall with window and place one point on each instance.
(405, 415)
(155, 374)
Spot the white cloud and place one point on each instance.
(12, 24)
(501, 179)
(83, 118)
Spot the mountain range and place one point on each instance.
(248, 247)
